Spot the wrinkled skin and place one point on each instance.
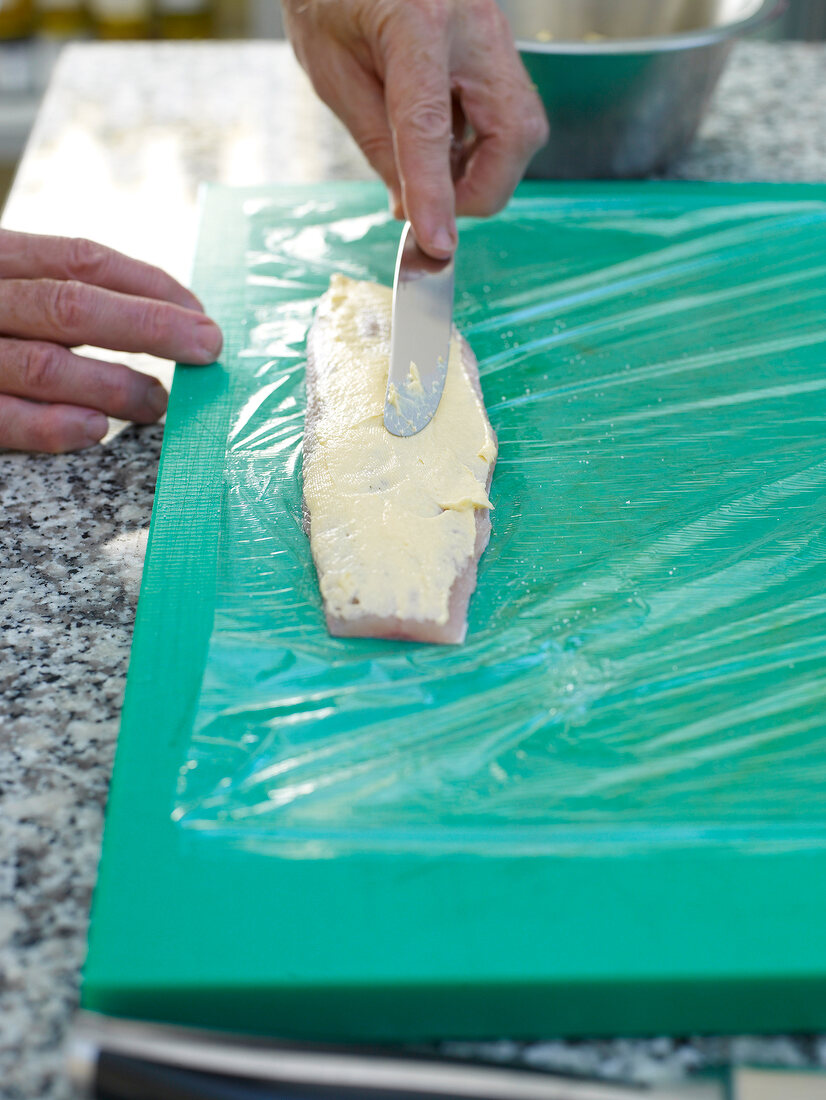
(431, 90)
(57, 293)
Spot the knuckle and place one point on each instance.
(377, 148)
(116, 390)
(487, 18)
(432, 15)
(527, 132)
(40, 366)
(153, 324)
(425, 120)
(435, 13)
(68, 306)
(86, 259)
(534, 131)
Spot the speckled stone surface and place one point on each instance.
(767, 120)
(73, 528)
(72, 540)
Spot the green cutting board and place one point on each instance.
(604, 814)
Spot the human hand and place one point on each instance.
(428, 89)
(57, 293)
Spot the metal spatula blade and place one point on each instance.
(419, 337)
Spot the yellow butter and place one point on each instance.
(392, 519)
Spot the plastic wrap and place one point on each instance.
(646, 654)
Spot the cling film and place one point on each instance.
(646, 654)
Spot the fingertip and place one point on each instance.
(94, 426)
(49, 428)
(430, 204)
(209, 341)
(438, 241)
(444, 242)
(477, 202)
(157, 400)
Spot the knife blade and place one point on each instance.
(419, 337)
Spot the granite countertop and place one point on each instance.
(124, 136)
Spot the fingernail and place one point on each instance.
(209, 340)
(95, 426)
(156, 399)
(443, 240)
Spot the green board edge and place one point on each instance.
(710, 938)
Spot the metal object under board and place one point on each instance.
(116, 1059)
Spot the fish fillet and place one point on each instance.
(396, 524)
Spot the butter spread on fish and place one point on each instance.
(414, 381)
(392, 518)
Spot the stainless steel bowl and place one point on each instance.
(625, 82)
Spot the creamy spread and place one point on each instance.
(414, 379)
(392, 518)
(393, 397)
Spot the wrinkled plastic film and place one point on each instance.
(646, 654)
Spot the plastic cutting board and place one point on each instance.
(606, 813)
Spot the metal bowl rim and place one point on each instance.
(682, 40)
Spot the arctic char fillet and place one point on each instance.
(396, 524)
